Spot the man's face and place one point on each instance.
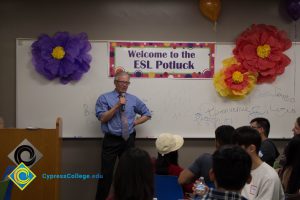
(296, 129)
(122, 83)
(257, 127)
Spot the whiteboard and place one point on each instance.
(191, 108)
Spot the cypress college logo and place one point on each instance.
(25, 155)
(25, 152)
(22, 176)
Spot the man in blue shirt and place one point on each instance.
(116, 110)
(203, 163)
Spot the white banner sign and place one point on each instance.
(163, 60)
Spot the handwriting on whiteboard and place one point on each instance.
(209, 114)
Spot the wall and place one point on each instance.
(178, 20)
(191, 108)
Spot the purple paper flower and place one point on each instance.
(62, 56)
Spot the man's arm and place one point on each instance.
(141, 120)
(143, 111)
(270, 189)
(102, 105)
(186, 177)
(109, 114)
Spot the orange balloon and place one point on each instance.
(210, 9)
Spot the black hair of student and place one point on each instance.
(134, 178)
(163, 162)
(246, 136)
(232, 167)
(292, 160)
(224, 134)
(264, 123)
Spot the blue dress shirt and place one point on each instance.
(133, 106)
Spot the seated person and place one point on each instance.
(203, 163)
(290, 173)
(166, 163)
(134, 178)
(265, 183)
(268, 151)
(230, 172)
(296, 131)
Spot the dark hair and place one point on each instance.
(298, 121)
(246, 136)
(163, 162)
(224, 134)
(264, 123)
(293, 161)
(133, 178)
(231, 166)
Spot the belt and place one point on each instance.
(116, 136)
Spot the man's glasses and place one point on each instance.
(123, 82)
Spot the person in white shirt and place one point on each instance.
(265, 183)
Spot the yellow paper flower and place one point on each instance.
(233, 81)
(229, 61)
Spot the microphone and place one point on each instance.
(123, 105)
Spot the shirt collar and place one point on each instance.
(117, 94)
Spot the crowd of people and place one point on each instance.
(245, 165)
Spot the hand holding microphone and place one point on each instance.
(122, 101)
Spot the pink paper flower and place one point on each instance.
(260, 50)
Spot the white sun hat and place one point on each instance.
(167, 142)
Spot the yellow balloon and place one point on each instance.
(210, 9)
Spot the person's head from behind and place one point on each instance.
(293, 150)
(296, 129)
(223, 135)
(122, 81)
(231, 168)
(133, 178)
(262, 125)
(167, 146)
(292, 161)
(248, 138)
